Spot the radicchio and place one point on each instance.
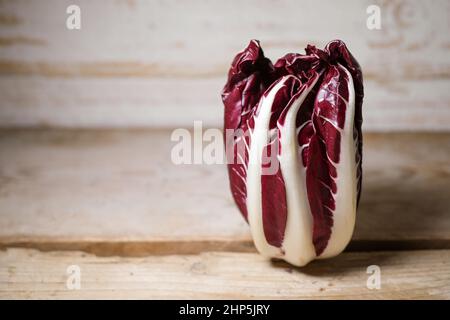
(303, 113)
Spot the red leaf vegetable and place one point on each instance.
(293, 135)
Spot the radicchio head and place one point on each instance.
(303, 113)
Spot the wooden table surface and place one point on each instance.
(138, 226)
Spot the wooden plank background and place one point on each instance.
(117, 192)
(138, 226)
(30, 274)
(112, 202)
(163, 63)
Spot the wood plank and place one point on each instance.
(135, 63)
(178, 102)
(404, 275)
(117, 192)
(152, 38)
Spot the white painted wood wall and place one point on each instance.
(163, 63)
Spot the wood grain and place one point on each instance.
(116, 192)
(178, 102)
(135, 63)
(29, 274)
(189, 37)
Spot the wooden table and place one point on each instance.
(138, 226)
